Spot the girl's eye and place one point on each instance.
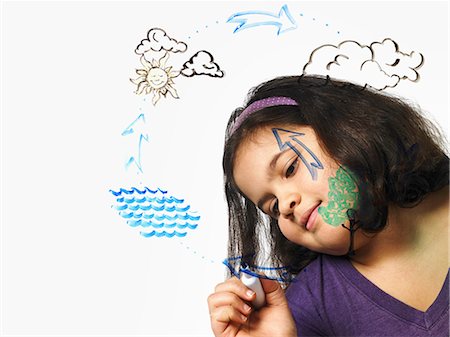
(275, 212)
(292, 168)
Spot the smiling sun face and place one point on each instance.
(156, 78)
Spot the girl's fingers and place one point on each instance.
(222, 299)
(228, 305)
(227, 314)
(235, 286)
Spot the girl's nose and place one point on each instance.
(288, 204)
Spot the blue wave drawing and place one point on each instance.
(156, 213)
(150, 199)
(164, 233)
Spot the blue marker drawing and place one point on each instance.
(134, 128)
(237, 266)
(155, 213)
(250, 19)
(283, 144)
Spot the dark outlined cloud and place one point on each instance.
(202, 63)
(157, 40)
(380, 65)
(394, 62)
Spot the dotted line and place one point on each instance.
(314, 19)
(198, 31)
(194, 252)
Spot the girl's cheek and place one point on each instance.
(342, 196)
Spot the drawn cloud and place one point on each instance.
(380, 65)
(157, 40)
(395, 62)
(202, 63)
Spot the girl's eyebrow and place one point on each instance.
(273, 162)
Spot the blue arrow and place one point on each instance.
(249, 19)
(130, 130)
(137, 160)
(312, 166)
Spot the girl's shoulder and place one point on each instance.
(330, 288)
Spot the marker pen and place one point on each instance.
(254, 284)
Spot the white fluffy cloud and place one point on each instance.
(394, 62)
(158, 40)
(379, 65)
(202, 63)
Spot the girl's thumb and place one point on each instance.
(274, 293)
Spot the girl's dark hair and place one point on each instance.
(396, 155)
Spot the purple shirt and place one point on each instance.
(331, 298)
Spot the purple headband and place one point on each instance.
(259, 105)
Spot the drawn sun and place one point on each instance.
(156, 78)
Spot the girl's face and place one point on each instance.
(287, 175)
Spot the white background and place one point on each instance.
(70, 265)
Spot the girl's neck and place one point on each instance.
(409, 233)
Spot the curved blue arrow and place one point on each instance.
(250, 19)
(312, 166)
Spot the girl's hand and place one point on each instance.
(232, 315)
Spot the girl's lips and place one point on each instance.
(312, 218)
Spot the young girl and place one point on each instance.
(345, 189)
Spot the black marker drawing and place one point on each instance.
(157, 40)
(157, 77)
(380, 65)
(202, 63)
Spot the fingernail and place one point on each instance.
(247, 308)
(250, 293)
(244, 318)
